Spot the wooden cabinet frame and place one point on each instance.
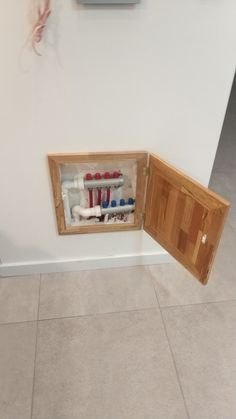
(183, 216)
(56, 160)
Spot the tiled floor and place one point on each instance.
(134, 343)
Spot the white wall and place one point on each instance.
(156, 76)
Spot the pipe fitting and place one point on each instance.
(77, 210)
(104, 183)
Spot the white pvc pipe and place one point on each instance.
(81, 184)
(97, 211)
(77, 211)
(66, 205)
(118, 210)
(66, 185)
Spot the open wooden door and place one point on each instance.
(184, 217)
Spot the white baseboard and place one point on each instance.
(29, 268)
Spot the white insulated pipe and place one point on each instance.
(97, 211)
(117, 210)
(77, 183)
(65, 196)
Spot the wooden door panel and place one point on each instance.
(184, 217)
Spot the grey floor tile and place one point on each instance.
(176, 286)
(203, 340)
(17, 352)
(110, 366)
(100, 291)
(225, 165)
(225, 156)
(225, 185)
(222, 184)
(19, 298)
(232, 219)
(232, 212)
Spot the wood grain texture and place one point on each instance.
(55, 160)
(179, 212)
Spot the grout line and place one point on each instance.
(100, 314)
(119, 312)
(171, 353)
(175, 366)
(35, 354)
(39, 295)
(198, 304)
(82, 315)
(19, 322)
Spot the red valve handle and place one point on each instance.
(106, 175)
(97, 176)
(88, 176)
